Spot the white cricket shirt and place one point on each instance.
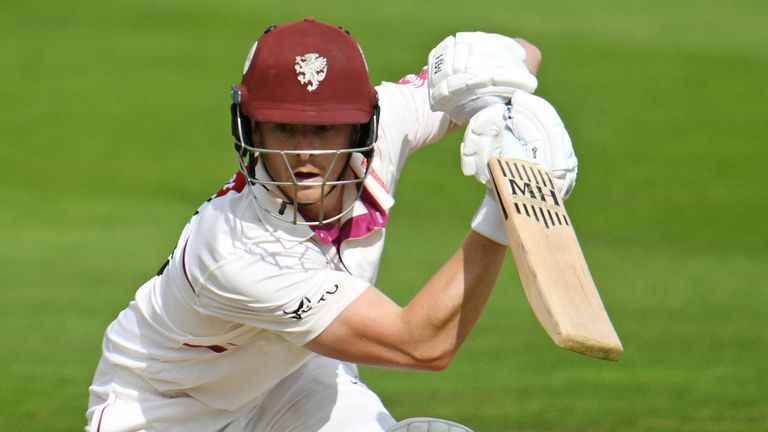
(228, 316)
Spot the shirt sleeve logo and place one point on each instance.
(306, 304)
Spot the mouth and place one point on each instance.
(305, 176)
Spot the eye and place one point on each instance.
(284, 128)
(324, 128)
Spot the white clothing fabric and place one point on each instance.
(224, 322)
(323, 395)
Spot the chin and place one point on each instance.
(308, 197)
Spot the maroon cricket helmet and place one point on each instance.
(307, 72)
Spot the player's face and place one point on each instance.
(305, 167)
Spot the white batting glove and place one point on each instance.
(488, 135)
(471, 70)
(536, 122)
(528, 128)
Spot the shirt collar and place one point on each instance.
(370, 211)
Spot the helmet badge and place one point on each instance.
(311, 68)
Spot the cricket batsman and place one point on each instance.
(263, 310)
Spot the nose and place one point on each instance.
(306, 140)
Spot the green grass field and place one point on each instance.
(114, 127)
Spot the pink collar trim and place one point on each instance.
(357, 226)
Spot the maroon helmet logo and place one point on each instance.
(311, 68)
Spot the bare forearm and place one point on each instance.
(430, 329)
(532, 55)
(449, 305)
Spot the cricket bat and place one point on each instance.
(552, 268)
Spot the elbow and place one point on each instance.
(433, 359)
(438, 365)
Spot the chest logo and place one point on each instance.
(311, 69)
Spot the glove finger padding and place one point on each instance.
(535, 122)
(470, 68)
(488, 134)
(527, 128)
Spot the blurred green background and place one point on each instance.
(114, 128)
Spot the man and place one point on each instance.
(257, 320)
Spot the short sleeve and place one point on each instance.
(285, 292)
(405, 110)
(407, 122)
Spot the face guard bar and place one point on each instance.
(358, 158)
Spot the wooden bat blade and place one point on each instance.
(552, 267)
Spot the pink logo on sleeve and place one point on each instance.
(415, 80)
